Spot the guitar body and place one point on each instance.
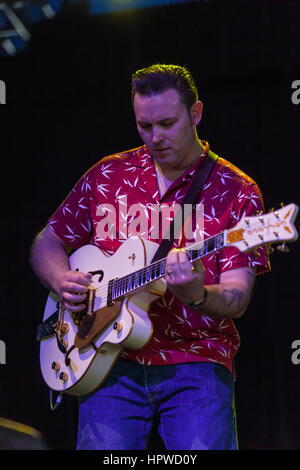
(80, 370)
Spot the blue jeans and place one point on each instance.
(194, 403)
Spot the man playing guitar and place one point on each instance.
(184, 374)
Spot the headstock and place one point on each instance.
(264, 229)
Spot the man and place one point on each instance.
(185, 374)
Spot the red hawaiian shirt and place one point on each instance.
(180, 334)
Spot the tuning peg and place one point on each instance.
(281, 204)
(258, 212)
(271, 210)
(283, 248)
(270, 249)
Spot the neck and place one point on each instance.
(173, 172)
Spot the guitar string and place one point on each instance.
(205, 247)
(152, 268)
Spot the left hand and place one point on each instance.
(184, 279)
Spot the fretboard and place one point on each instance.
(124, 285)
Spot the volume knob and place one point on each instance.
(63, 376)
(117, 327)
(55, 366)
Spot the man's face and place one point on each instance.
(167, 129)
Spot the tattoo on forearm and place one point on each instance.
(233, 298)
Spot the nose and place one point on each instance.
(157, 136)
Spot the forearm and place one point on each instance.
(225, 300)
(49, 260)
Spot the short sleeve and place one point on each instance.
(248, 201)
(72, 220)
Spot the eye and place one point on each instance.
(168, 124)
(145, 127)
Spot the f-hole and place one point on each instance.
(100, 272)
(93, 273)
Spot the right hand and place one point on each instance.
(72, 288)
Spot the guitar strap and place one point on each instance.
(191, 197)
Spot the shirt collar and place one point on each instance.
(143, 159)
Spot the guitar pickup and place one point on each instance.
(89, 301)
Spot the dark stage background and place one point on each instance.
(68, 105)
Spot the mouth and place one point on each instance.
(161, 151)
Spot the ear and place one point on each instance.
(196, 112)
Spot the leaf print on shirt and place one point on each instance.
(182, 320)
(105, 170)
(86, 227)
(228, 261)
(224, 177)
(253, 198)
(220, 196)
(102, 189)
(66, 208)
(72, 237)
(85, 186)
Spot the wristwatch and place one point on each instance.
(199, 303)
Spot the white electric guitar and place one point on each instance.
(78, 350)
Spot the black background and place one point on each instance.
(68, 105)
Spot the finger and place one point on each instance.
(198, 266)
(172, 262)
(170, 271)
(74, 288)
(182, 269)
(185, 266)
(80, 278)
(74, 307)
(76, 281)
(73, 298)
(74, 302)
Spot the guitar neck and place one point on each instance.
(117, 288)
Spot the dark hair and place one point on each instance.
(160, 77)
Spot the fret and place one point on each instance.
(193, 255)
(140, 275)
(152, 273)
(157, 273)
(135, 280)
(148, 274)
(162, 266)
(219, 241)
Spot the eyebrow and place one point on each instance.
(142, 121)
